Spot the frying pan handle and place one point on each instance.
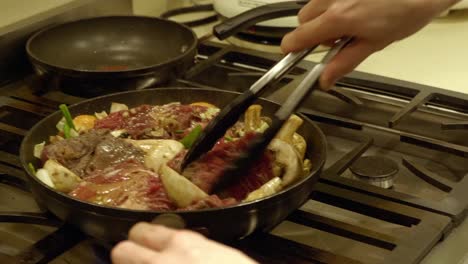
(265, 12)
(177, 222)
(192, 9)
(146, 83)
(170, 220)
(42, 82)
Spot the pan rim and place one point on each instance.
(106, 210)
(140, 70)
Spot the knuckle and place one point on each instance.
(146, 238)
(135, 228)
(297, 36)
(303, 15)
(119, 250)
(185, 237)
(301, 18)
(335, 14)
(340, 14)
(137, 232)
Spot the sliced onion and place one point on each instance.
(158, 151)
(44, 177)
(62, 178)
(100, 115)
(74, 133)
(118, 133)
(147, 144)
(60, 124)
(38, 148)
(116, 107)
(162, 152)
(182, 191)
(209, 113)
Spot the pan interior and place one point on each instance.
(111, 43)
(46, 127)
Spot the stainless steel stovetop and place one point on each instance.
(380, 132)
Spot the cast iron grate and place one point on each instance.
(424, 228)
(422, 222)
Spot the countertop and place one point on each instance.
(436, 56)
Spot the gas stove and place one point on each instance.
(393, 185)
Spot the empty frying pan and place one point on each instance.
(113, 50)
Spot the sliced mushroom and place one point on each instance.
(306, 167)
(300, 144)
(288, 134)
(181, 190)
(57, 176)
(269, 188)
(288, 158)
(252, 118)
(158, 151)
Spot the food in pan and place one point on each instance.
(130, 158)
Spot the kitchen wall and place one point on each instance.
(12, 11)
(156, 7)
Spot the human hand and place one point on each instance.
(373, 24)
(148, 243)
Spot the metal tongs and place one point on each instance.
(231, 113)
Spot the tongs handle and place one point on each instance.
(231, 113)
(258, 145)
(309, 83)
(279, 70)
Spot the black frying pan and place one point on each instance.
(111, 51)
(110, 224)
(101, 55)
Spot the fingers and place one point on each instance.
(151, 236)
(158, 237)
(313, 32)
(128, 252)
(345, 61)
(312, 10)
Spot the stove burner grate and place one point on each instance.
(423, 221)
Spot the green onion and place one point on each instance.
(190, 138)
(67, 115)
(66, 131)
(31, 168)
(180, 131)
(228, 138)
